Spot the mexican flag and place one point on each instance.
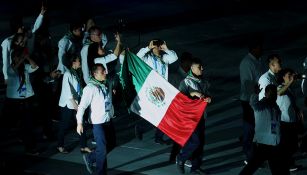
(157, 101)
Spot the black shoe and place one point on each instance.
(180, 166)
(138, 133)
(89, 166)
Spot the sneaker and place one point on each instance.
(89, 166)
(245, 162)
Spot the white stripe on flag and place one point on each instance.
(146, 105)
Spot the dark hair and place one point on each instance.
(69, 58)
(158, 42)
(196, 61)
(254, 43)
(94, 28)
(270, 88)
(75, 25)
(272, 57)
(282, 73)
(186, 57)
(15, 38)
(92, 54)
(16, 23)
(95, 67)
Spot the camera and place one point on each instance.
(158, 42)
(299, 76)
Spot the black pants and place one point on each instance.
(266, 152)
(21, 110)
(289, 141)
(248, 129)
(68, 120)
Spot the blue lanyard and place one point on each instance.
(163, 69)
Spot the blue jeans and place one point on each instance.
(100, 154)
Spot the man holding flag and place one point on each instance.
(175, 114)
(193, 87)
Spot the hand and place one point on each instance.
(208, 99)
(151, 46)
(55, 74)
(117, 37)
(291, 79)
(79, 128)
(43, 9)
(114, 91)
(163, 46)
(75, 106)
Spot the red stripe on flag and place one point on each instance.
(181, 118)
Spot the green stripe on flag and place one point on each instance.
(134, 70)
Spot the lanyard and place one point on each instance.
(156, 61)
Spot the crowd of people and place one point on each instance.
(77, 81)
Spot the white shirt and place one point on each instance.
(69, 90)
(267, 122)
(266, 79)
(250, 71)
(64, 45)
(94, 97)
(286, 104)
(13, 83)
(168, 58)
(102, 60)
(6, 47)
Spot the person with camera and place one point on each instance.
(19, 93)
(270, 77)
(290, 115)
(95, 53)
(17, 26)
(267, 133)
(158, 57)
